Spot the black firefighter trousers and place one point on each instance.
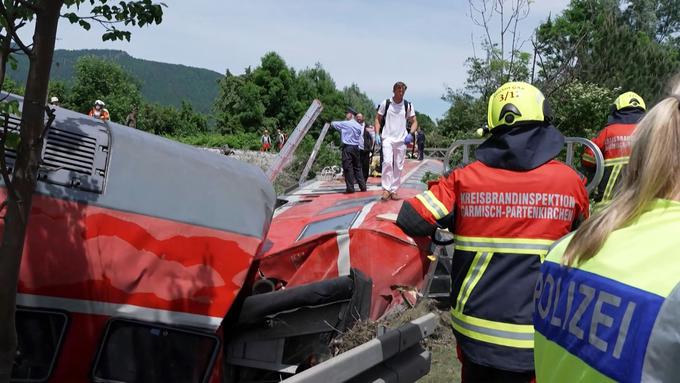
(351, 168)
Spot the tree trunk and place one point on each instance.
(25, 176)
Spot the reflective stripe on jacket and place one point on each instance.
(504, 222)
(614, 142)
(615, 317)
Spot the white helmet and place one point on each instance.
(99, 102)
(54, 99)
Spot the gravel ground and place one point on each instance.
(261, 159)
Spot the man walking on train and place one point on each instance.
(391, 130)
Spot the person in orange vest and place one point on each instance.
(265, 141)
(614, 142)
(98, 111)
(505, 210)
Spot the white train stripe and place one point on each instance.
(120, 310)
(344, 262)
(364, 212)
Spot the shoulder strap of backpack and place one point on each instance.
(387, 107)
(407, 108)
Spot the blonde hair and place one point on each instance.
(653, 172)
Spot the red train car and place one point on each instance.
(147, 260)
(331, 259)
(136, 250)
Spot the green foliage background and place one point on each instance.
(581, 59)
(160, 83)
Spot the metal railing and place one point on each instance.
(396, 353)
(569, 143)
(312, 156)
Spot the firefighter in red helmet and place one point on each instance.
(505, 210)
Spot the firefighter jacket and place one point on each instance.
(614, 317)
(503, 223)
(614, 142)
(102, 114)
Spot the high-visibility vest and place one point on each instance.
(616, 317)
(504, 223)
(614, 142)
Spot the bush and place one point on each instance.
(245, 141)
(581, 108)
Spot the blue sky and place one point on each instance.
(372, 42)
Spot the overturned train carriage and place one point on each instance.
(331, 259)
(137, 247)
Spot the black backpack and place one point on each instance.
(368, 140)
(407, 107)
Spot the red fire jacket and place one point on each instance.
(614, 142)
(504, 222)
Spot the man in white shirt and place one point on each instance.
(391, 130)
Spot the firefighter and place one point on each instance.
(98, 111)
(505, 210)
(614, 142)
(612, 313)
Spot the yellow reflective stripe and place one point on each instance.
(609, 189)
(508, 327)
(504, 245)
(474, 274)
(505, 240)
(432, 204)
(588, 158)
(463, 324)
(616, 161)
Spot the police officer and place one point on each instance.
(612, 314)
(614, 142)
(505, 210)
(351, 135)
(365, 145)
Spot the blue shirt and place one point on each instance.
(350, 131)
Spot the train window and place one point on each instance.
(340, 222)
(348, 203)
(136, 352)
(40, 334)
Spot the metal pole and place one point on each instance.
(315, 152)
(295, 139)
(361, 358)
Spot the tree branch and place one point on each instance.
(12, 29)
(32, 6)
(11, 191)
(50, 119)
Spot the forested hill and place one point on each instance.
(167, 84)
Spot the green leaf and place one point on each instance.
(72, 17)
(12, 140)
(84, 24)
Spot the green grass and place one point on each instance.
(445, 366)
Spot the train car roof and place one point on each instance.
(143, 173)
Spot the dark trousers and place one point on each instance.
(421, 151)
(351, 167)
(365, 157)
(472, 372)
